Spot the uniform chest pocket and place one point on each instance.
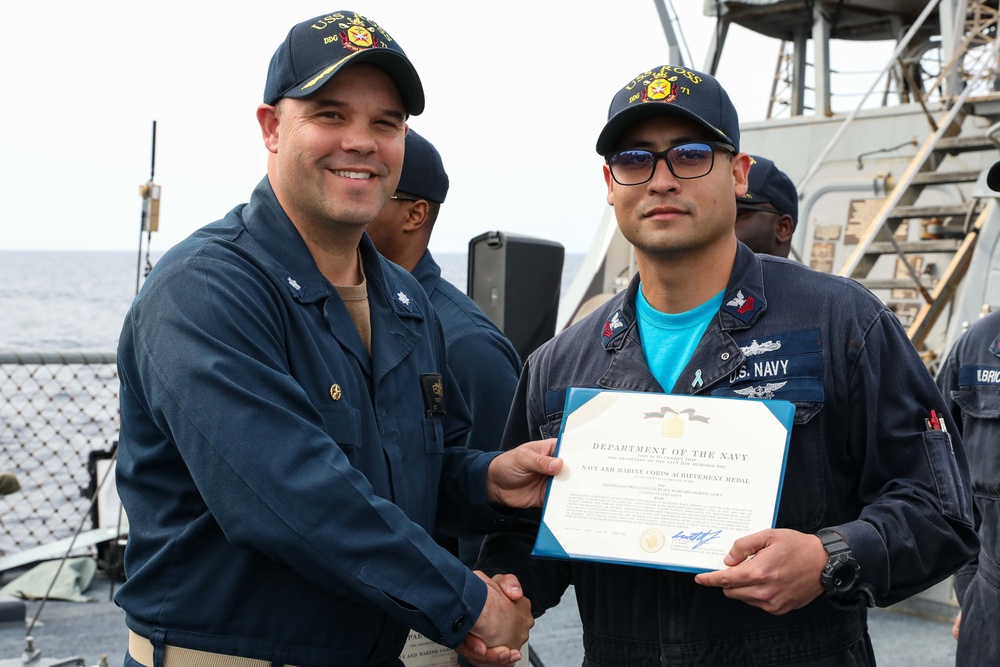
(342, 422)
(555, 401)
(978, 402)
(980, 407)
(550, 429)
(433, 436)
(803, 495)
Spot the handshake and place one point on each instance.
(503, 625)
(516, 478)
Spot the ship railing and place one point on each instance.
(59, 424)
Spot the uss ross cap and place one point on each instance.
(670, 90)
(316, 49)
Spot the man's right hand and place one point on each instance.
(502, 629)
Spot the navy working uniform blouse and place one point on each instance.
(280, 483)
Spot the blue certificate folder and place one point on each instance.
(663, 480)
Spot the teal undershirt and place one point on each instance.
(669, 339)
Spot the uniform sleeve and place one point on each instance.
(916, 524)
(543, 580)
(209, 367)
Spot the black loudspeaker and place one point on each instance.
(515, 280)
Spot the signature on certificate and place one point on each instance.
(701, 538)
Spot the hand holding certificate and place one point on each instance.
(661, 480)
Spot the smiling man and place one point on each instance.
(290, 432)
(875, 506)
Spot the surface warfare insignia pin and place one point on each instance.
(756, 348)
(613, 326)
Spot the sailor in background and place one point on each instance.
(290, 433)
(767, 214)
(875, 505)
(484, 363)
(970, 382)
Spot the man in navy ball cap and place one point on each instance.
(861, 520)
(766, 215)
(484, 363)
(291, 434)
(969, 379)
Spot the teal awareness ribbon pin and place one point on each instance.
(697, 379)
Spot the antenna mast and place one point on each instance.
(150, 221)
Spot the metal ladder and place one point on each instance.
(950, 230)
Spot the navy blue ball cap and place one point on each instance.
(423, 172)
(315, 50)
(769, 185)
(671, 90)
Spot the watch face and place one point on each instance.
(843, 574)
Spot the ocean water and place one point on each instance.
(53, 416)
(53, 300)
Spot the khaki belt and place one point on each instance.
(141, 650)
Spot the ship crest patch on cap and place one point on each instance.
(355, 35)
(358, 36)
(663, 85)
(660, 90)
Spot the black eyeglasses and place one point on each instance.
(401, 198)
(636, 166)
(763, 209)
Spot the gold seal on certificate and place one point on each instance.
(652, 540)
(663, 480)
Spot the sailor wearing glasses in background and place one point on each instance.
(767, 214)
(484, 363)
(874, 507)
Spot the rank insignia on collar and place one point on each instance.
(402, 299)
(743, 304)
(612, 327)
(293, 286)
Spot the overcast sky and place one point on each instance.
(517, 93)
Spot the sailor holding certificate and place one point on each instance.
(663, 481)
(874, 506)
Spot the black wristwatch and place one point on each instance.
(841, 572)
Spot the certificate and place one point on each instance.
(663, 480)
